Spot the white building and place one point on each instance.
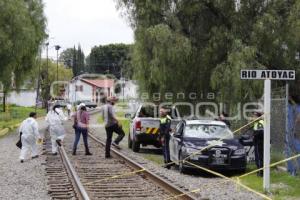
(25, 98)
(90, 89)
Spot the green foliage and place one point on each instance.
(16, 114)
(48, 75)
(166, 52)
(110, 59)
(192, 46)
(22, 30)
(74, 58)
(283, 186)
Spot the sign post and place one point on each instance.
(267, 135)
(267, 76)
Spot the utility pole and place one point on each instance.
(47, 78)
(38, 82)
(57, 47)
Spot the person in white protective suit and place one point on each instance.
(55, 118)
(30, 134)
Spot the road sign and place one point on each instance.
(269, 74)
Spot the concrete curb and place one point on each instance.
(5, 131)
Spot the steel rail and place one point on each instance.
(76, 180)
(155, 178)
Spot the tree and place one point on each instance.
(46, 80)
(22, 30)
(195, 46)
(74, 58)
(112, 58)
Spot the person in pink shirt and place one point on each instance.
(81, 125)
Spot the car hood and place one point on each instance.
(197, 143)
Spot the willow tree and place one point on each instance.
(195, 45)
(22, 30)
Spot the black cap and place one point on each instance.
(32, 114)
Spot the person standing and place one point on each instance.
(223, 117)
(69, 108)
(164, 131)
(81, 125)
(29, 135)
(111, 125)
(55, 118)
(258, 141)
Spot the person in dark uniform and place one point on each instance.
(164, 130)
(223, 117)
(258, 141)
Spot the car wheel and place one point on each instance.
(129, 142)
(181, 166)
(135, 145)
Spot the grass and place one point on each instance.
(283, 186)
(121, 117)
(16, 114)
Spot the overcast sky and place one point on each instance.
(88, 22)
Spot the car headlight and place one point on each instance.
(239, 152)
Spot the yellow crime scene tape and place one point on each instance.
(237, 181)
(229, 179)
(271, 165)
(116, 176)
(206, 147)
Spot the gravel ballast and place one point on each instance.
(209, 187)
(24, 181)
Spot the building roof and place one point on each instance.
(104, 83)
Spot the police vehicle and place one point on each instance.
(144, 126)
(191, 136)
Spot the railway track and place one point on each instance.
(94, 177)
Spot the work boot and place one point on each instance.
(36, 156)
(22, 161)
(116, 145)
(108, 156)
(74, 152)
(54, 154)
(87, 152)
(58, 141)
(167, 166)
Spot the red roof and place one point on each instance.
(105, 83)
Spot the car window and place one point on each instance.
(153, 111)
(148, 111)
(208, 131)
